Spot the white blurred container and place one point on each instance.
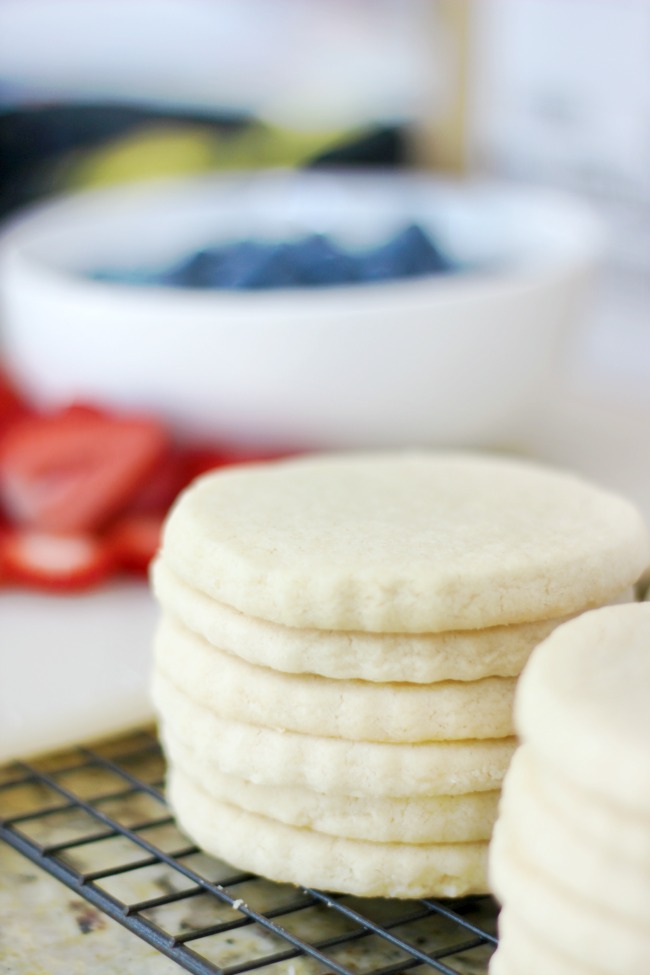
(446, 360)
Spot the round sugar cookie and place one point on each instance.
(332, 765)
(423, 819)
(605, 823)
(582, 703)
(563, 851)
(522, 952)
(403, 542)
(357, 710)
(421, 658)
(580, 929)
(302, 856)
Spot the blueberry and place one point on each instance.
(312, 261)
(277, 271)
(410, 253)
(239, 265)
(200, 270)
(319, 262)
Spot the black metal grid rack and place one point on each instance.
(96, 820)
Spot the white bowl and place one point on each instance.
(446, 360)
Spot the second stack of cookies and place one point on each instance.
(570, 859)
(338, 653)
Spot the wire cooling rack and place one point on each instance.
(96, 820)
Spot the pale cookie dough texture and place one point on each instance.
(333, 765)
(468, 655)
(583, 706)
(560, 849)
(303, 856)
(569, 856)
(528, 953)
(358, 710)
(578, 928)
(605, 824)
(424, 819)
(403, 542)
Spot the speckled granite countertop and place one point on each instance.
(45, 929)
(48, 929)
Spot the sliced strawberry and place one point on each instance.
(161, 487)
(5, 532)
(59, 563)
(74, 470)
(12, 405)
(134, 541)
(200, 460)
(83, 409)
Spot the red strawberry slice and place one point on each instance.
(74, 470)
(134, 541)
(162, 486)
(12, 405)
(59, 563)
(201, 460)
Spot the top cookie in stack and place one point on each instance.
(339, 648)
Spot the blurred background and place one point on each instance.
(96, 92)
(556, 93)
(108, 94)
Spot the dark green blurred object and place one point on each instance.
(56, 148)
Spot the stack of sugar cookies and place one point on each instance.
(570, 859)
(338, 652)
